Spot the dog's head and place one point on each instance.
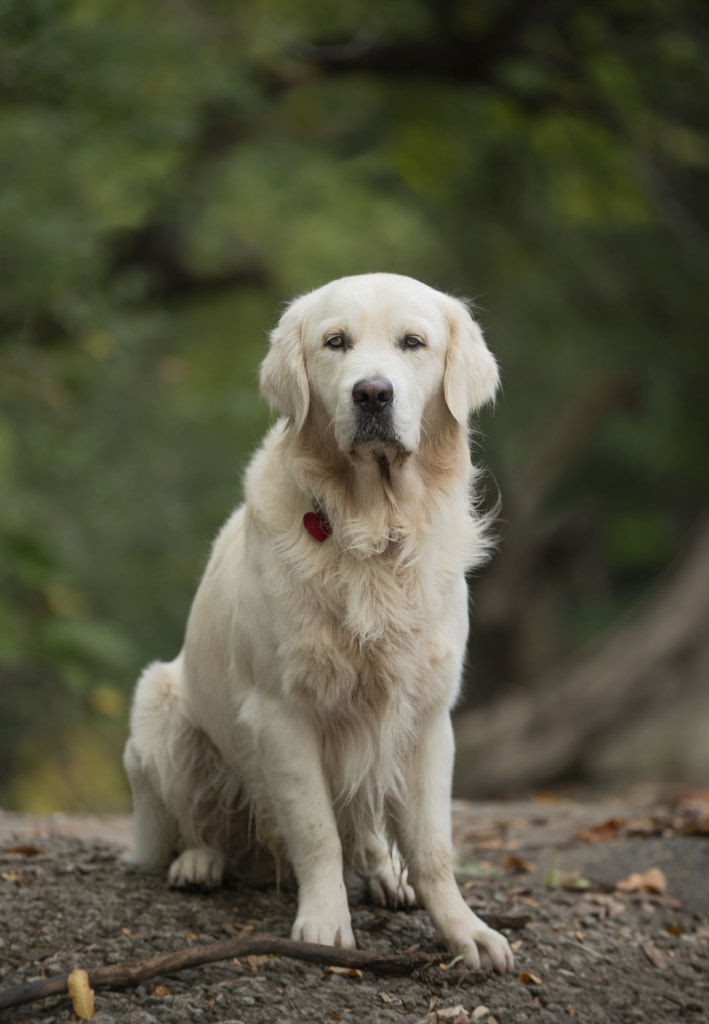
(374, 352)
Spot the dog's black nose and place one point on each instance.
(373, 394)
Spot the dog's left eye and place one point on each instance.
(412, 341)
(335, 341)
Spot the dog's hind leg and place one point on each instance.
(154, 828)
(178, 783)
(158, 834)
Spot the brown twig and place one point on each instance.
(134, 971)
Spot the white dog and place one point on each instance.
(308, 715)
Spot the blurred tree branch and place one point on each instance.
(156, 249)
(453, 55)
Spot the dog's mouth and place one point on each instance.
(376, 435)
(375, 431)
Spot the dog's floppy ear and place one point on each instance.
(471, 376)
(284, 382)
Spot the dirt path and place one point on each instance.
(590, 952)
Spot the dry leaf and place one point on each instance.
(525, 978)
(643, 827)
(654, 955)
(11, 876)
(25, 851)
(455, 1014)
(253, 962)
(81, 994)
(347, 972)
(602, 833)
(652, 881)
(514, 863)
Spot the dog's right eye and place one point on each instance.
(335, 341)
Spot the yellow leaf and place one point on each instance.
(81, 993)
(525, 978)
(348, 972)
(651, 881)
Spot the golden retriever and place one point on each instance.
(308, 715)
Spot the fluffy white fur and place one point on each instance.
(307, 720)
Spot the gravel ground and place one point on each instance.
(590, 951)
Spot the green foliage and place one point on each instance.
(173, 172)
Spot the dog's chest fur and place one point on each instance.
(356, 635)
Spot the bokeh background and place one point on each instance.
(172, 171)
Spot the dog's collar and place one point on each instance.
(317, 524)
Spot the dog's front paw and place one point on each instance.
(482, 947)
(325, 921)
(324, 933)
(199, 866)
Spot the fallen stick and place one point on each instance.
(132, 972)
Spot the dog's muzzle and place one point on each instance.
(373, 400)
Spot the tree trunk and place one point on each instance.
(527, 738)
